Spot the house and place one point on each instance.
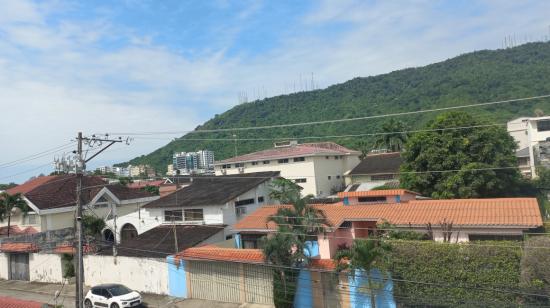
(52, 201)
(207, 200)
(532, 135)
(460, 220)
(376, 170)
(318, 168)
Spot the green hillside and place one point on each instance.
(476, 77)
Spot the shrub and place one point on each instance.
(535, 268)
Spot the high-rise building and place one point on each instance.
(193, 162)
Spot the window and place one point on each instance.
(543, 125)
(298, 159)
(193, 215)
(254, 163)
(346, 225)
(240, 211)
(329, 177)
(228, 166)
(337, 176)
(372, 199)
(327, 157)
(30, 219)
(97, 291)
(173, 215)
(382, 177)
(260, 199)
(336, 157)
(266, 162)
(299, 180)
(244, 202)
(237, 165)
(229, 237)
(283, 161)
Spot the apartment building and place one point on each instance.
(532, 135)
(193, 162)
(318, 168)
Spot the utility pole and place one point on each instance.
(80, 169)
(175, 234)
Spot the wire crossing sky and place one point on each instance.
(68, 66)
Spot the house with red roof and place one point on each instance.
(52, 201)
(454, 220)
(318, 168)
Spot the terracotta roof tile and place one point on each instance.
(10, 302)
(519, 212)
(18, 247)
(211, 253)
(304, 149)
(30, 185)
(376, 193)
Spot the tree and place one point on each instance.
(461, 158)
(154, 190)
(286, 249)
(8, 203)
(393, 137)
(365, 255)
(92, 225)
(7, 186)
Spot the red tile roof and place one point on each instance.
(30, 185)
(376, 193)
(304, 149)
(10, 302)
(212, 253)
(16, 230)
(18, 247)
(517, 212)
(142, 184)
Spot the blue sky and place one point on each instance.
(126, 66)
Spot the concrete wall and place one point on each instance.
(4, 265)
(45, 267)
(140, 274)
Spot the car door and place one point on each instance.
(100, 298)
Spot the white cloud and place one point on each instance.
(55, 79)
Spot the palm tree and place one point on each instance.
(8, 203)
(364, 255)
(393, 137)
(286, 249)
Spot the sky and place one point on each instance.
(133, 66)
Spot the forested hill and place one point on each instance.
(476, 77)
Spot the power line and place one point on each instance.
(37, 155)
(523, 99)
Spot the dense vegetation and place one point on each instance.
(476, 77)
(484, 274)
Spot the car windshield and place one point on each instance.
(119, 290)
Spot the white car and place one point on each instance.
(112, 296)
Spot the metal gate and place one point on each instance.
(230, 282)
(19, 266)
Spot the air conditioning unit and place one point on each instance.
(241, 169)
(224, 172)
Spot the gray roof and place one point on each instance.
(523, 152)
(378, 164)
(215, 190)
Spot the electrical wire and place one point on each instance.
(523, 99)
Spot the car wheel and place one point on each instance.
(114, 305)
(88, 303)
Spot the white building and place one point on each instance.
(318, 168)
(533, 137)
(217, 201)
(193, 162)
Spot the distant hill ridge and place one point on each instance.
(476, 77)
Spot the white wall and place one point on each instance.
(335, 168)
(140, 274)
(45, 267)
(4, 265)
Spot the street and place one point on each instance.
(44, 292)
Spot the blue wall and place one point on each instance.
(311, 249)
(360, 293)
(177, 278)
(304, 292)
